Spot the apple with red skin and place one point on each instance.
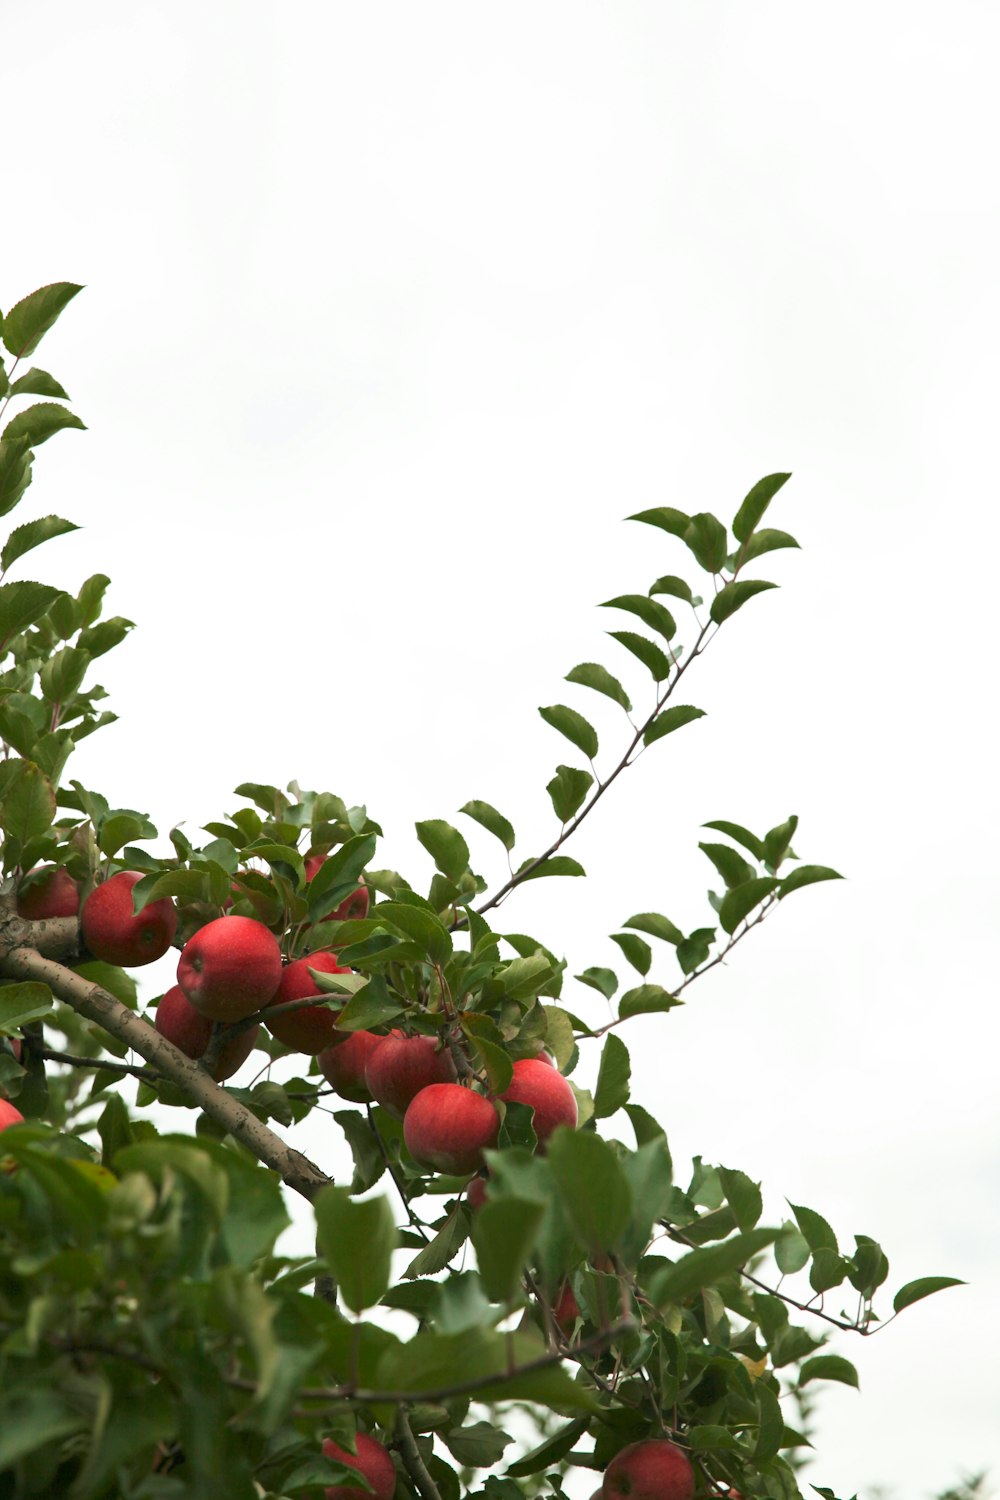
(230, 968)
(372, 1460)
(54, 894)
(475, 1193)
(9, 1115)
(353, 908)
(112, 931)
(541, 1086)
(566, 1309)
(403, 1065)
(448, 1127)
(191, 1032)
(655, 1469)
(344, 1063)
(313, 1028)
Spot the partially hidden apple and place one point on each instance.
(549, 1094)
(655, 1469)
(344, 1064)
(566, 1309)
(403, 1065)
(112, 931)
(448, 1127)
(312, 1028)
(9, 1115)
(475, 1193)
(48, 892)
(353, 908)
(191, 1032)
(230, 968)
(372, 1460)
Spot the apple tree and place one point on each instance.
(517, 1283)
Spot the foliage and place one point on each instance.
(154, 1342)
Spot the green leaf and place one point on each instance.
(568, 790)
(369, 1163)
(829, 1367)
(420, 926)
(612, 1090)
(743, 1196)
(646, 651)
(559, 864)
(671, 719)
(591, 674)
(638, 952)
(483, 1362)
(713, 1439)
(445, 845)
(771, 1428)
(665, 517)
(778, 840)
(574, 726)
(733, 596)
(32, 317)
(63, 674)
(656, 925)
(480, 1445)
(592, 1186)
(828, 1270)
(675, 587)
(702, 1268)
(806, 875)
(36, 424)
(817, 1231)
(705, 536)
(443, 1247)
(741, 835)
(15, 473)
(35, 382)
(791, 1251)
(372, 1006)
(21, 605)
(29, 803)
(760, 542)
(120, 829)
(549, 1453)
(925, 1286)
(21, 1003)
(731, 866)
(524, 977)
(493, 821)
(503, 1234)
(740, 902)
(647, 999)
(755, 504)
(649, 611)
(356, 1238)
(23, 538)
(605, 981)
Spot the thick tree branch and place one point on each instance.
(412, 1461)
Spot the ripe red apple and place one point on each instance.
(655, 1469)
(113, 932)
(566, 1309)
(353, 908)
(53, 894)
(475, 1193)
(344, 1063)
(313, 1028)
(191, 1032)
(448, 1127)
(230, 968)
(404, 1065)
(547, 1092)
(371, 1460)
(9, 1115)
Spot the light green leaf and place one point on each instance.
(767, 540)
(702, 1268)
(574, 726)
(23, 538)
(568, 790)
(35, 382)
(503, 1234)
(445, 845)
(559, 864)
(740, 834)
(656, 925)
(21, 1003)
(605, 981)
(743, 1196)
(924, 1286)
(647, 999)
(673, 586)
(493, 821)
(806, 875)
(638, 952)
(356, 1238)
(420, 926)
(592, 1187)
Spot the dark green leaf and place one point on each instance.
(743, 1196)
(733, 596)
(559, 864)
(32, 317)
(445, 845)
(739, 903)
(370, 1007)
(638, 953)
(647, 999)
(778, 840)
(522, 978)
(550, 1452)
(15, 473)
(702, 1268)
(35, 382)
(612, 1090)
(671, 719)
(731, 866)
(705, 535)
(806, 875)
(503, 1234)
(63, 673)
(369, 1163)
(492, 821)
(771, 1431)
(694, 949)
(829, 1367)
(443, 1247)
(649, 611)
(666, 518)
(574, 726)
(656, 925)
(29, 803)
(591, 674)
(675, 587)
(36, 424)
(755, 504)
(23, 538)
(421, 927)
(740, 834)
(645, 1127)
(568, 790)
(646, 651)
(713, 1439)
(592, 1187)
(605, 981)
(760, 542)
(21, 605)
(914, 1291)
(817, 1231)
(477, 1446)
(828, 1270)
(356, 1238)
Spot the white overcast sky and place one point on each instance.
(393, 311)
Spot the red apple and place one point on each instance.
(314, 1027)
(547, 1092)
(343, 1064)
(353, 908)
(475, 1193)
(9, 1115)
(404, 1065)
(655, 1469)
(54, 894)
(371, 1460)
(448, 1127)
(230, 968)
(566, 1309)
(15, 1046)
(191, 1032)
(113, 932)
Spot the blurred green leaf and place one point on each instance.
(815, 1228)
(21, 604)
(503, 1234)
(702, 1268)
(356, 1238)
(743, 1196)
(21, 1003)
(551, 1451)
(673, 586)
(592, 1187)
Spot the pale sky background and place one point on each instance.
(393, 311)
